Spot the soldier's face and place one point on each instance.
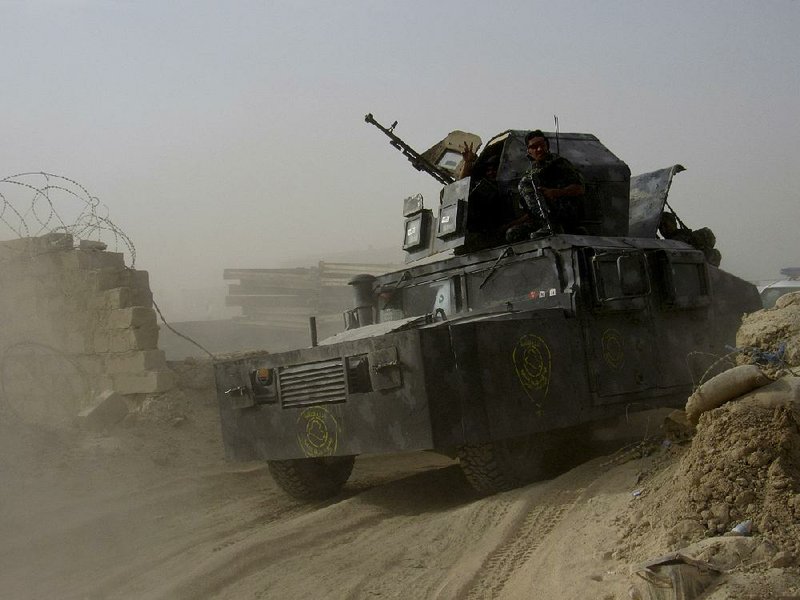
(537, 148)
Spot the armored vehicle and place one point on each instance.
(489, 351)
(772, 291)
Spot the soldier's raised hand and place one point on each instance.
(468, 153)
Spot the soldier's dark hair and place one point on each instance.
(536, 133)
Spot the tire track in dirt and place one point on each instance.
(348, 539)
(546, 512)
(229, 504)
(425, 553)
(430, 540)
(264, 551)
(233, 511)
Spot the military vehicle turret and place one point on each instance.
(486, 350)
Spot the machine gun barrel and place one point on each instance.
(419, 162)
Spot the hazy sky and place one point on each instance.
(231, 134)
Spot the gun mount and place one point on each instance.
(439, 161)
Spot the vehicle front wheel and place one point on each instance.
(312, 478)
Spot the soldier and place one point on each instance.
(550, 193)
(671, 228)
(467, 165)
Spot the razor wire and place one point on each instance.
(43, 209)
(30, 207)
(768, 360)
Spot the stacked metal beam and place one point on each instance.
(286, 298)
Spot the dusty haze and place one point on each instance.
(233, 135)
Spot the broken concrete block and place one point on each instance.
(142, 297)
(85, 259)
(117, 298)
(134, 316)
(104, 278)
(151, 382)
(124, 297)
(136, 279)
(50, 241)
(136, 361)
(135, 338)
(92, 245)
(108, 408)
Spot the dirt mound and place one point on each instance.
(772, 335)
(741, 471)
(742, 467)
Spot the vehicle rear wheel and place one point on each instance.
(502, 465)
(312, 478)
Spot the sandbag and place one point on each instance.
(781, 392)
(723, 387)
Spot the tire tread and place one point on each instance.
(312, 478)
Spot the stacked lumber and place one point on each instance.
(286, 298)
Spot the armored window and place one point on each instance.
(419, 299)
(620, 276)
(513, 283)
(690, 280)
(685, 278)
(440, 297)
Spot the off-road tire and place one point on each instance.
(312, 478)
(502, 465)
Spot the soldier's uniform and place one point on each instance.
(553, 172)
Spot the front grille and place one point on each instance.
(312, 383)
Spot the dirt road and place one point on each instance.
(151, 510)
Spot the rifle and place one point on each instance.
(417, 161)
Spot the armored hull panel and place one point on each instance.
(565, 331)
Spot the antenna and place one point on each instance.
(558, 149)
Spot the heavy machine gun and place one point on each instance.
(417, 160)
